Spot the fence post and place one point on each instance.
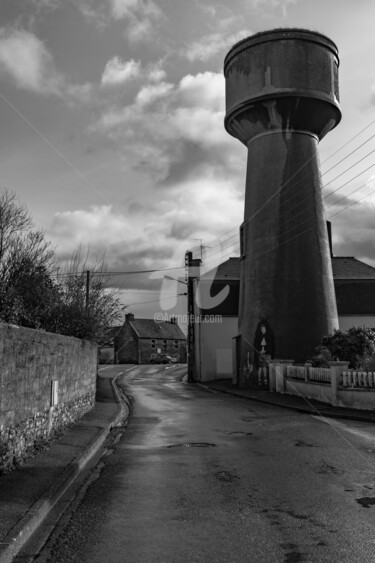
(272, 365)
(308, 366)
(336, 370)
(280, 374)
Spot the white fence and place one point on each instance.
(296, 372)
(320, 375)
(336, 385)
(307, 373)
(358, 379)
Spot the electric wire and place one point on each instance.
(328, 158)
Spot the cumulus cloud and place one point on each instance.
(117, 71)
(211, 44)
(174, 128)
(25, 60)
(151, 93)
(273, 4)
(142, 17)
(154, 236)
(128, 8)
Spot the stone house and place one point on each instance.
(142, 341)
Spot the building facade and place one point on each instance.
(144, 341)
(215, 340)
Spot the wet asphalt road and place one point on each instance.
(202, 476)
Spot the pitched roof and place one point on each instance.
(344, 267)
(230, 269)
(349, 268)
(148, 328)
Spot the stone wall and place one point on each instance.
(126, 346)
(30, 361)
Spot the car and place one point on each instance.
(163, 359)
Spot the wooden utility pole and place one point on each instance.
(87, 289)
(192, 268)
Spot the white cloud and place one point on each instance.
(142, 17)
(211, 45)
(273, 4)
(156, 73)
(205, 89)
(117, 71)
(175, 134)
(25, 59)
(175, 131)
(122, 9)
(152, 92)
(153, 237)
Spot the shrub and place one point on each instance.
(321, 358)
(356, 345)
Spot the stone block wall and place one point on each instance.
(30, 360)
(126, 346)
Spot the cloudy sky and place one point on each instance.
(112, 132)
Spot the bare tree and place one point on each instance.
(29, 295)
(85, 314)
(14, 219)
(26, 262)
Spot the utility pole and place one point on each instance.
(87, 289)
(202, 246)
(192, 270)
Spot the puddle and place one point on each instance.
(193, 445)
(240, 433)
(366, 502)
(302, 444)
(226, 476)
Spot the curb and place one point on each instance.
(359, 417)
(33, 518)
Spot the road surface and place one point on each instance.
(202, 476)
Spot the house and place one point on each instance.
(143, 341)
(355, 292)
(355, 297)
(216, 300)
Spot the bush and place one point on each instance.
(321, 357)
(356, 346)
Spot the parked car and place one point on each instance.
(163, 359)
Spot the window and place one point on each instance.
(165, 344)
(176, 343)
(152, 343)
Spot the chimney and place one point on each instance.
(173, 320)
(129, 317)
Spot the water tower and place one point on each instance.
(281, 99)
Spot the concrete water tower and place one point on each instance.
(281, 99)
